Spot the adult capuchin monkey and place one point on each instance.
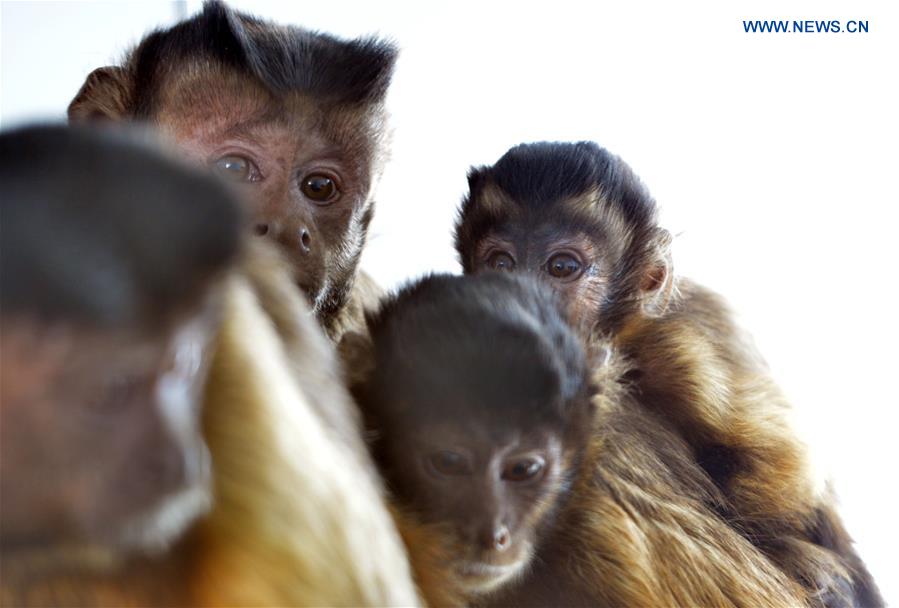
(173, 427)
(294, 118)
(579, 217)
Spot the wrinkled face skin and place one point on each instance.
(576, 263)
(100, 442)
(493, 493)
(579, 246)
(303, 166)
(572, 264)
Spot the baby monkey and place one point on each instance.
(548, 483)
(480, 404)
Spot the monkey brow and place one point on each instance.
(249, 127)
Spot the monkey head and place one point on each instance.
(481, 407)
(110, 269)
(576, 215)
(294, 119)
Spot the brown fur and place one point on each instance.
(642, 527)
(298, 518)
(700, 372)
(693, 369)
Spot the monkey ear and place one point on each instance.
(475, 177)
(654, 278)
(357, 354)
(657, 282)
(105, 95)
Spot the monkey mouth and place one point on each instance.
(482, 577)
(311, 287)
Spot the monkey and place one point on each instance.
(293, 118)
(552, 484)
(578, 217)
(174, 427)
(296, 121)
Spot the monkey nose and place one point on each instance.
(305, 241)
(501, 538)
(260, 229)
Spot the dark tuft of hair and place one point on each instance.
(494, 343)
(540, 174)
(101, 230)
(284, 59)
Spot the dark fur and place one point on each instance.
(538, 175)
(285, 59)
(78, 245)
(690, 363)
(437, 328)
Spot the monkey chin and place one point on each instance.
(481, 578)
(153, 531)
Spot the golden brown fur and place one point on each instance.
(298, 518)
(700, 373)
(691, 366)
(642, 526)
(364, 296)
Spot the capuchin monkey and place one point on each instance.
(293, 118)
(552, 485)
(173, 424)
(577, 216)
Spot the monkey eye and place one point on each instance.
(563, 265)
(523, 470)
(449, 463)
(115, 394)
(500, 260)
(319, 188)
(236, 168)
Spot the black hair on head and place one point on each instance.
(284, 59)
(99, 229)
(538, 174)
(492, 344)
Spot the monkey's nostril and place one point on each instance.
(260, 229)
(305, 239)
(501, 539)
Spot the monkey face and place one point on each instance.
(577, 217)
(491, 490)
(576, 266)
(304, 169)
(101, 443)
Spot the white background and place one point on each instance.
(773, 156)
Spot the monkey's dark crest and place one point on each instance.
(539, 174)
(99, 229)
(494, 345)
(284, 59)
